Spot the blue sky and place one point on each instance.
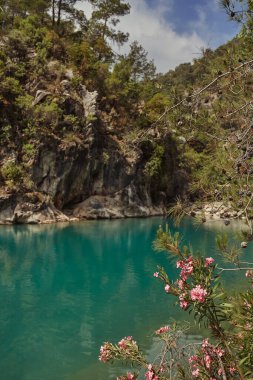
(186, 15)
(175, 31)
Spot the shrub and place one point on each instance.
(12, 172)
(229, 355)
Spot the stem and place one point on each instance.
(224, 376)
(233, 269)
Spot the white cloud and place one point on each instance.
(86, 7)
(150, 27)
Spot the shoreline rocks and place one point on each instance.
(216, 211)
(38, 208)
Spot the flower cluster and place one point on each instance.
(106, 353)
(127, 342)
(127, 348)
(210, 361)
(186, 267)
(150, 374)
(183, 301)
(162, 330)
(209, 261)
(182, 288)
(198, 294)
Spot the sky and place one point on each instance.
(175, 31)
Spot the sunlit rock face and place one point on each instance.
(97, 179)
(94, 178)
(84, 168)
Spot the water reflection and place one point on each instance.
(66, 288)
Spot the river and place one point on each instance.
(67, 288)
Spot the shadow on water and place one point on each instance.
(66, 288)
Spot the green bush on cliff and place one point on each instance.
(12, 173)
(153, 166)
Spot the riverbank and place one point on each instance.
(215, 211)
(36, 208)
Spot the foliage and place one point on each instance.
(198, 291)
(12, 173)
(153, 166)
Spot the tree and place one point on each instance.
(20, 8)
(66, 7)
(141, 67)
(105, 17)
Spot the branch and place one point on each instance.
(247, 205)
(239, 109)
(224, 376)
(204, 88)
(233, 269)
(196, 94)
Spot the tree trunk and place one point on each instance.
(59, 12)
(53, 12)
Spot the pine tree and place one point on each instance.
(105, 18)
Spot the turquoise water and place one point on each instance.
(65, 289)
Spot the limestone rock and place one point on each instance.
(89, 100)
(40, 95)
(27, 208)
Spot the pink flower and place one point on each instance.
(186, 266)
(195, 372)
(149, 375)
(232, 370)
(181, 284)
(184, 304)
(205, 343)
(130, 376)
(162, 330)
(219, 371)
(198, 294)
(186, 272)
(125, 342)
(208, 361)
(193, 358)
(208, 261)
(156, 274)
(219, 351)
(105, 353)
(167, 288)
(122, 344)
(249, 273)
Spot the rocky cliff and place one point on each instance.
(93, 178)
(94, 174)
